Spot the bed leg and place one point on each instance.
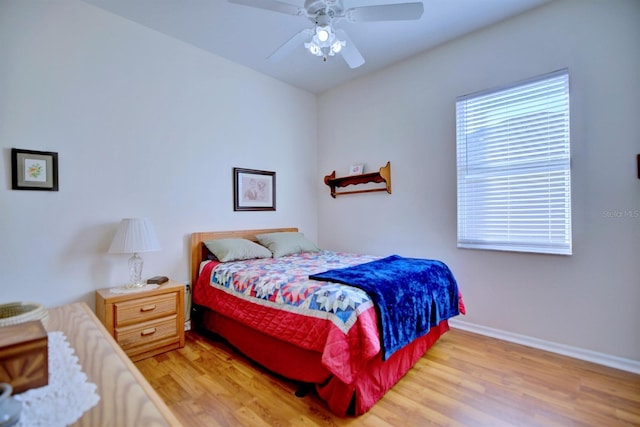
(304, 389)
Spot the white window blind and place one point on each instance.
(513, 163)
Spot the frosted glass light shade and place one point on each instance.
(135, 235)
(323, 33)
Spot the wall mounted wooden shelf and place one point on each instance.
(382, 176)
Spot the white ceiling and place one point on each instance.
(248, 35)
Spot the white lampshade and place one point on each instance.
(135, 235)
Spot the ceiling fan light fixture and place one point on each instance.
(324, 42)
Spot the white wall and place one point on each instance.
(144, 125)
(405, 114)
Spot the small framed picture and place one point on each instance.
(254, 190)
(356, 169)
(34, 170)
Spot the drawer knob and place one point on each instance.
(148, 331)
(148, 307)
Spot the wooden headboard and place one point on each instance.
(198, 250)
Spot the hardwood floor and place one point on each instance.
(464, 380)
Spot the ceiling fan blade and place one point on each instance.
(385, 12)
(350, 52)
(295, 42)
(273, 5)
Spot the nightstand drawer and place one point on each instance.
(143, 309)
(141, 334)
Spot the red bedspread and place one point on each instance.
(276, 297)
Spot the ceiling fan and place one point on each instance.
(323, 39)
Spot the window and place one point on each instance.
(514, 176)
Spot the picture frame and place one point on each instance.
(356, 169)
(254, 190)
(34, 170)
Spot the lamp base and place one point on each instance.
(135, 272)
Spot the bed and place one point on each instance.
(317, 332)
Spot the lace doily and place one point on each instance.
(68, 394)
(124, 290)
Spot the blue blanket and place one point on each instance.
(410, 295)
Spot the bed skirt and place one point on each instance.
(295, 363)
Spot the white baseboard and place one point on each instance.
(575, 352)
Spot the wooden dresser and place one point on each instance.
(144, 323)
(126, 398)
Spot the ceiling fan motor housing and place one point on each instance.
(317, 8)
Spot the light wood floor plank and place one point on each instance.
(464, 380)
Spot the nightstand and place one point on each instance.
(144, 323)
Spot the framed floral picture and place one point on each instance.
(34, 170)
(254, 190)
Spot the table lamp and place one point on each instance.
(135, 235)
